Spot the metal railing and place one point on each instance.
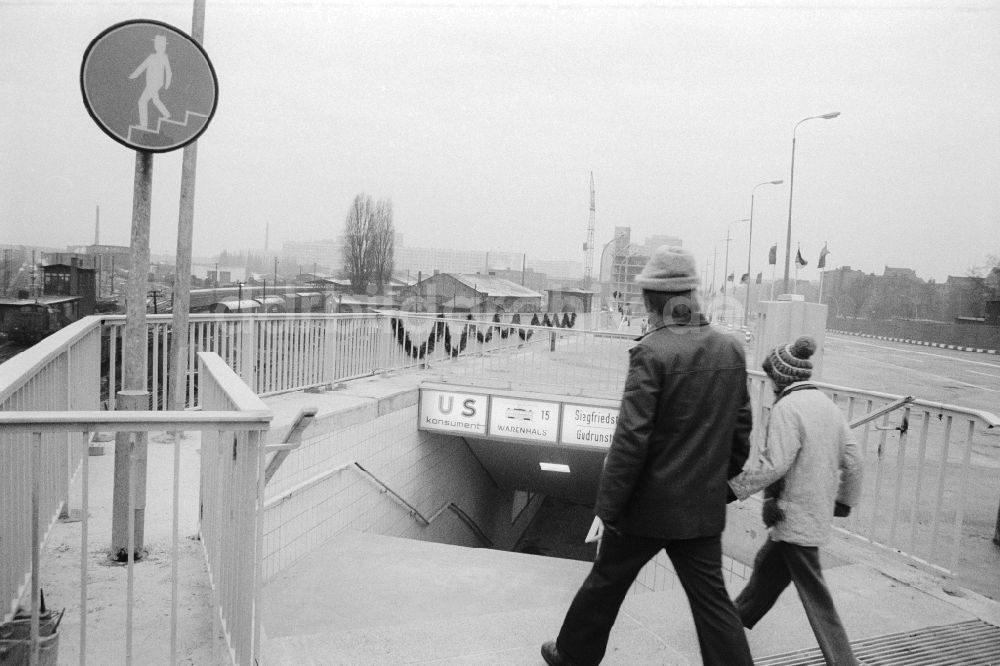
(920, 462)
(233, 470)
(32, 464)
(918, 470)
(59, 374)
(282, 352)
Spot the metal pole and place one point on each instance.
(725, 273)
(788, 233)
(133, 395)
(791, 184)
(746, 305)
(177, 387)
(176, 383)
(746, 301)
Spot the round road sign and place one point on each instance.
(148, 85)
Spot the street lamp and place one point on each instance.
(746, 304)
(791, 184)
(725, 271)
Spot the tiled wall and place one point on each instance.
(427, 470)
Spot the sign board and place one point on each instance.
(524, 419)
(588, 425)
(452, 412)
(148, 85)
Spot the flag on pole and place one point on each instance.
(760, 276)
(822, 257)
(745, 278)
(772, 255)
(798, 258)
(732, 276)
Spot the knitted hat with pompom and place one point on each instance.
(786, 364)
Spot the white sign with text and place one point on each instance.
(588, 425)
(524, 419)
(446, 411)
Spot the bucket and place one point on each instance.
(15, 639)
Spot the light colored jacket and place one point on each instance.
(810, 444)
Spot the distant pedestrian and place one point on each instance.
(811, 468)
(682, 431)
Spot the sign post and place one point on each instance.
(151, 88)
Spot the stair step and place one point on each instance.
(511, 637)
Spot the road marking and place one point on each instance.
(914, 351)
(949, 381)
(984, 374)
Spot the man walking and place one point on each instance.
(682, 431)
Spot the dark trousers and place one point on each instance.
(698, 563)
(778, 563)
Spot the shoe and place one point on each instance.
(552, 656)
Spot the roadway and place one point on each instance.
(965, 379)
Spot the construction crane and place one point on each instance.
(588, 247)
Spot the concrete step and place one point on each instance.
(368, 599)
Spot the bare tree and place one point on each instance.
(383, 244)
(368, 243)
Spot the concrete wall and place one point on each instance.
(318, 492)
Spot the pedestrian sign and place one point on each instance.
(148, 85)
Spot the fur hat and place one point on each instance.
(786, 364)
(669, 269)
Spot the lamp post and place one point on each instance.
(791, 184)
(725, 271)
(746, 304)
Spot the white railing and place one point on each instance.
(232, 486)
(35, 441)
(918, 470)
(60, 373)
(281, 352)
(915, 500)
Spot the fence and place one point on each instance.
(45, 423)
(920, 462)
(275, 353)
(919, 469)
(59, 374)
(918, 475)
(232, 495)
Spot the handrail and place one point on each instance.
(415, 513)
(867, 418)
(26, 422)
(25, 365)
(467, 519)
(291, 442)
(990, 419)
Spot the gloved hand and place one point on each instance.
(772, 513)
(841, 510)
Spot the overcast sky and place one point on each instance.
(483, 125)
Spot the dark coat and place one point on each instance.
(683, 430)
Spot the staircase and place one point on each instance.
(368, 599)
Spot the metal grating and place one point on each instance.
(973, 643)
